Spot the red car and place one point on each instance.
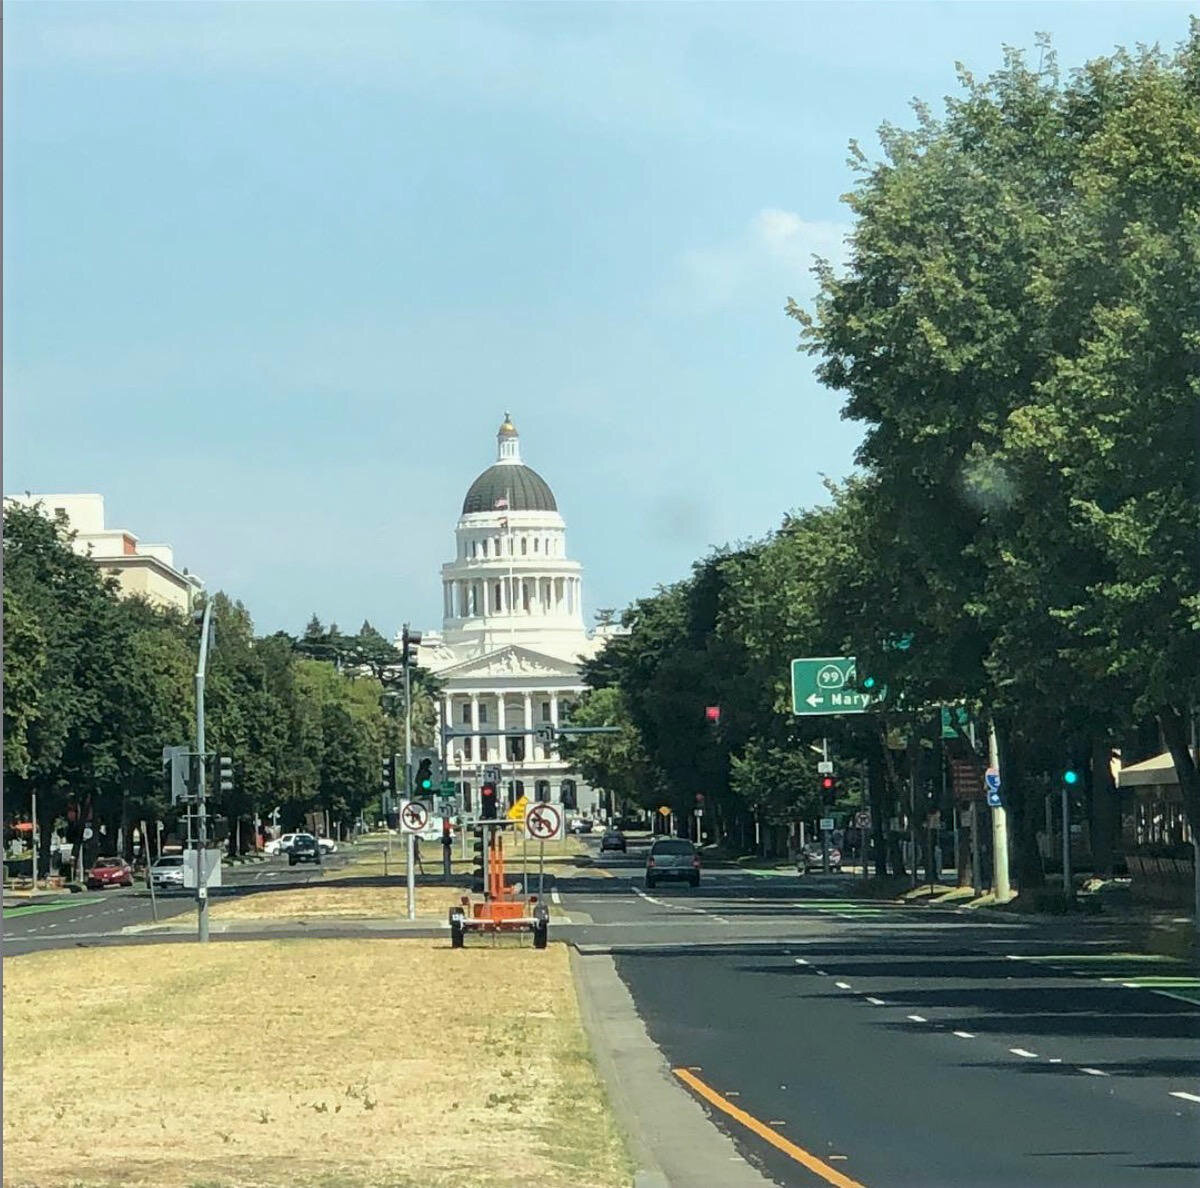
(109, 872)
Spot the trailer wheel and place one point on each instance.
(541, 934)
(457, 932)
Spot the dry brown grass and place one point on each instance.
(356, 901)
(337, 1063)
(560, 858)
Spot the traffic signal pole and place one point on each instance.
(410, 843)
(824, 832)
(201, 815)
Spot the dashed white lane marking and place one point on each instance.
(875, 1001)
(965, 1034)
(918, 1018)
(1093, 1072)
(822, 973)
(1185, 1096)
(679, 907)
(1024, 1052)
(1055, 1060)
(842, 985)
(801, 961)
(554, 896)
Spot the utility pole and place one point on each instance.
(409, 639)
(201, 815)
(1000, 884)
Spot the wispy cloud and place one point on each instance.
(773, 255)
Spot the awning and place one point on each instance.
(1160, 770)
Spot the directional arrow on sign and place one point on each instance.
(814, 700)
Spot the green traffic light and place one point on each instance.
(1070, 776)
(426, 784)
(868, 682)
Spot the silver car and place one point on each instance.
(166, 873)
(673, 858)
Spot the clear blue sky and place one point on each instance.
(274, 272)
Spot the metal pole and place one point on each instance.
(824, 833)
(412, 877)
(866, 829)
(201, 818)
(149, 875)
(1068, 881)
(541, 868)
(914, 750)
(976, 872)
(33, 814)
(1000, 884)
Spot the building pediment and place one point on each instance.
(511, 660)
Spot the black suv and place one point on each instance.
(304, 848)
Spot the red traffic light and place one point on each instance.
(487, 806)
(827, 783)
(712, 713)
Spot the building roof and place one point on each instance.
(523, 488)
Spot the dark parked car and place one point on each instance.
(810, 858)
(614, 839)
(673, 858)
(304, 848)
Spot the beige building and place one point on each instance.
(140, 569)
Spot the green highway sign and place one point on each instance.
(825, 685)
(961, 716)
(448, 788)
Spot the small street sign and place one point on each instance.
(862, 820)
(991, 777)
(663, 811)
(826, 824)
(491, 775)
(448, 788)
(825, 767)
(994, 798)
(543, 822)
(825, 685)
(414, 816)
(952, 715)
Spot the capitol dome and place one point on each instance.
(509, 484)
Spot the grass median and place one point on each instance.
(336, 1063)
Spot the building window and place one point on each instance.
(468, 754)
(483, 750)
(466, 717)
(482, 713)
(473, 551)
(545, 711)
(485, 547)
(497, 546)
(466, 797)
(535, 544)
(524, 546)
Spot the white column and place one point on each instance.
(448, 720)
(554, 708)
(500, 726)
(475, 757)
(529, 752)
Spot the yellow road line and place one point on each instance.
(830, 1174)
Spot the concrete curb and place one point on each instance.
(668, 1132)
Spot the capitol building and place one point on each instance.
(513, 635)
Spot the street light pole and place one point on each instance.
(201, 817)
(1000, 884)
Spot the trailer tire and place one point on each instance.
(541, 934)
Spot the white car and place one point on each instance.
(166, 873)
(281, 845)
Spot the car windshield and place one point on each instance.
(674, 846)
(170, 860)
(106, 863)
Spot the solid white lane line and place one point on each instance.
(1023, 1052)
(875, 1001)
(965, 1034)
(918, 1018)
(1185, 1096)
(1093, 1072)
(842, 985)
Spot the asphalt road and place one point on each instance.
(903, 1046)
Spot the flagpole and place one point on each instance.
(512, 616)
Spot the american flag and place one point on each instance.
(502, 502)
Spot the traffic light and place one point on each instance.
(423, 784)
(829, 789)
(477, 861)
(712, 714)
(487, 802)
(224, 774)
(410, 641)
(1070, 777)
(389, 775)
